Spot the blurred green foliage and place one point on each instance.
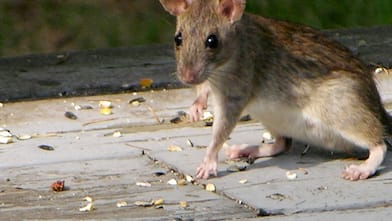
(37, 26)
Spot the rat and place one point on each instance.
(296, 81)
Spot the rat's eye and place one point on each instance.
(178, 39)
(212, 41)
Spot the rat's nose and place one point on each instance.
(190, 75)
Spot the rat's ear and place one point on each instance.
(232, 9)
(175, 7)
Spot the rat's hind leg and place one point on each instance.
(369, 167)
(280, 145)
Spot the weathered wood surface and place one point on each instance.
(117, 70)
(95, 163)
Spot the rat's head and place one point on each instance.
(203, 35)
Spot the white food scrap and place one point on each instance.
(172, 182)
(6, 140)
(210, 187)
(207, 116)
(189, 178)
(143, 184)
(121, 204)
(89, 207)
(243, 181)
(158, 202)
(173, 148)
(105, 104)
(183, 204)
(117, 134)
(24, 137)
(291, 175)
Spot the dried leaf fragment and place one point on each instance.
(146, 82)
(58, 186)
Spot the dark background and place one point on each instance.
(40, 26)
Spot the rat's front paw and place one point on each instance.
(207, 168)
(196, 111)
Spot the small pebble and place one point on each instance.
(46, 147)
(159, 173)
(70, 115)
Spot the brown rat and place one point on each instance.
(296, 81)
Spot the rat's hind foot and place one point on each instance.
(369, 167)
(265, 150)
(357, 172)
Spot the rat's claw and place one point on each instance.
(357, 172)
(196, 112)
(197, 108)
(206, 169)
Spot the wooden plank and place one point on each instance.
(117, 70)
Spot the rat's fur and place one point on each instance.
(297, 82)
